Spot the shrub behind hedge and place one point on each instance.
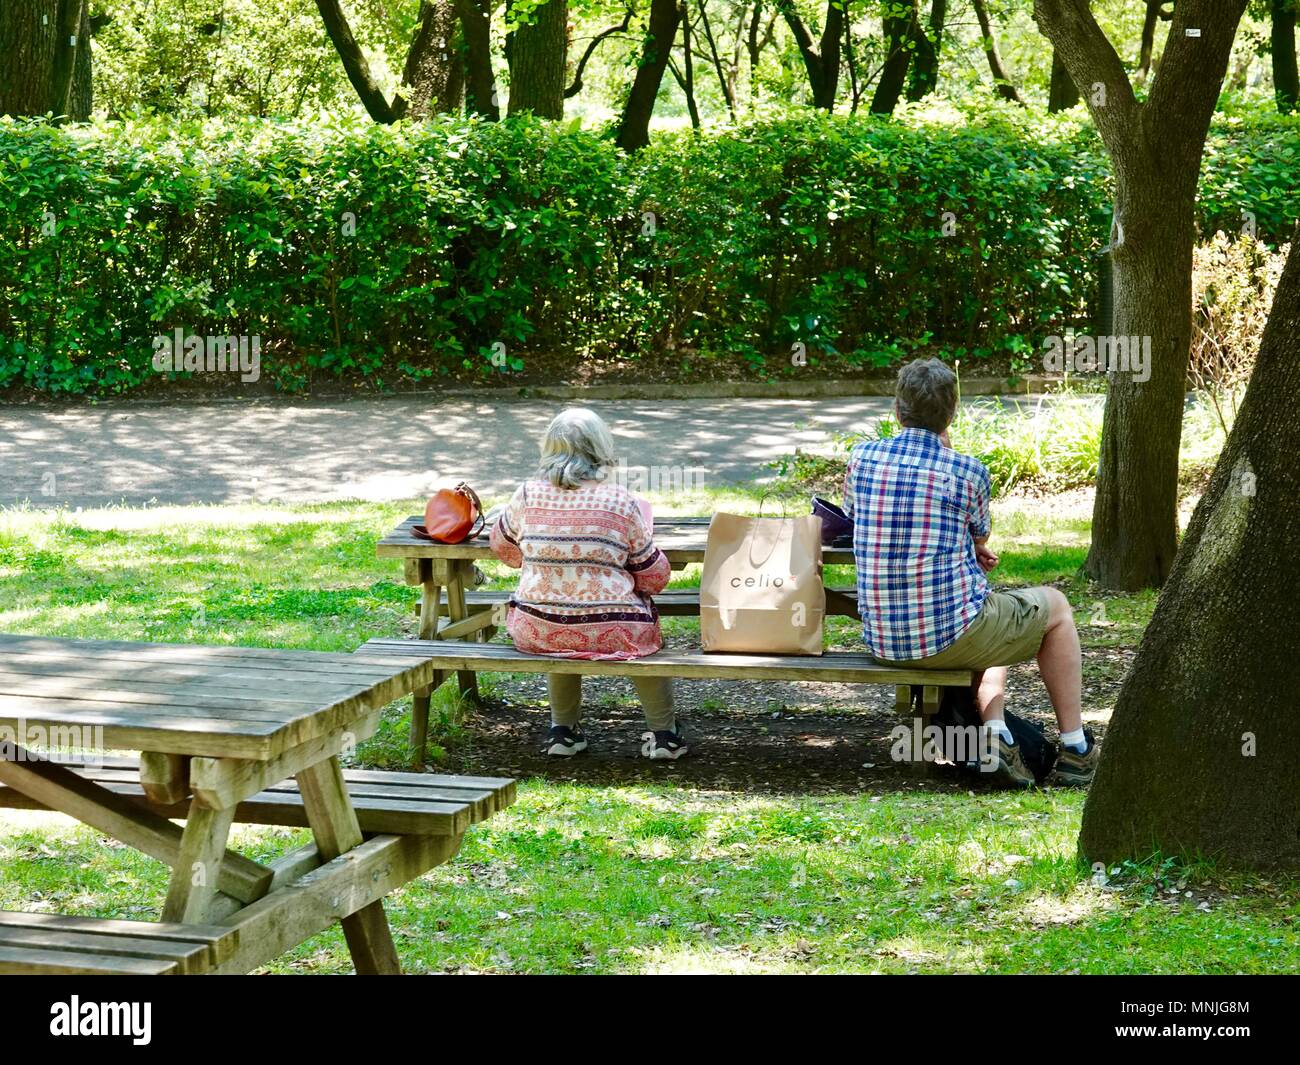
(418, 251)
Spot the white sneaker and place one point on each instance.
(664, 745)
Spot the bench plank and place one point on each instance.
(33, 962)
(834, 666)
(412, 803)
(221, 942)
(185, 958)
(48, 944)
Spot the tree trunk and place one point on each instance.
(925, 67)
(1200, 757)
(27, 36)
(1286, 79)
(433, 80)
(724, 83)
(1148, 43)
(355, 63)
(634, 127)
(1155, 149)
(81, 97)
(1001, 80)
(688, 68)
(46, 49)
(898, 22)
(754, 45)
(1062, 94)
(821, 60)
(538, 54)
(480, 84)
(1134, 520)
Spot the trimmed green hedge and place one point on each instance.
(423, 251)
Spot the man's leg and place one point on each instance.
(989, 686)
(1060, 663)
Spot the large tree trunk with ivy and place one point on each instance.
(537, 51)
(46, 65)
(634, 127)
(1200, 757)
(1286, 77)
(1155, 149)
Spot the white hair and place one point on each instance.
(578, 447)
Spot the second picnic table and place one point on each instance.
(221, 730)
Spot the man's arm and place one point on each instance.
(980, 519)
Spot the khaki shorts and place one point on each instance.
(1008, 629)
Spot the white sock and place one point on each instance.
(999, 726)
(1076, 740)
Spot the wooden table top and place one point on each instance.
(681, 539)
(219, 702)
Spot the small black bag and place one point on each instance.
(957, 708)
(837, 527)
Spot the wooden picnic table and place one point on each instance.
(217, 726)
(448, 569)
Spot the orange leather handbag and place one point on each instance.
(452, 516)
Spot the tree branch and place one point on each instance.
(1186, 86)
(576, 87)
(1091, 59)
(355, 64)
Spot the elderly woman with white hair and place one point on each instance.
(589, 566)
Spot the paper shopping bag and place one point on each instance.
(761, 590)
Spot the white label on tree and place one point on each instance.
(1192, 32)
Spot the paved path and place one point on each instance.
(377, 449)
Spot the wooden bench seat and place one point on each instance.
(915, 690)
(45, 944)
(385, 802)
(845, 667)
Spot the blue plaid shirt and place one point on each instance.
(917, 507)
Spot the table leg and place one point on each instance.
(198, 864)
(334, 824)
(462, 570)
(430, 594)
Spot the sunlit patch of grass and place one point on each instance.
(651, 879)
(636, 878)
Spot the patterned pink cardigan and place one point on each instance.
(589, 567)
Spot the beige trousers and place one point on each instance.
(656, 694)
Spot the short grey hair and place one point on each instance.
(927, 395)
(578, 447)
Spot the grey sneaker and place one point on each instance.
(1011, 769)
(1076, 770)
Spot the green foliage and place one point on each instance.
(228, 57)
(458, 247)
(1050, 444)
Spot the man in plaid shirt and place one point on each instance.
(921, 525)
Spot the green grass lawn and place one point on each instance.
(639, 877)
